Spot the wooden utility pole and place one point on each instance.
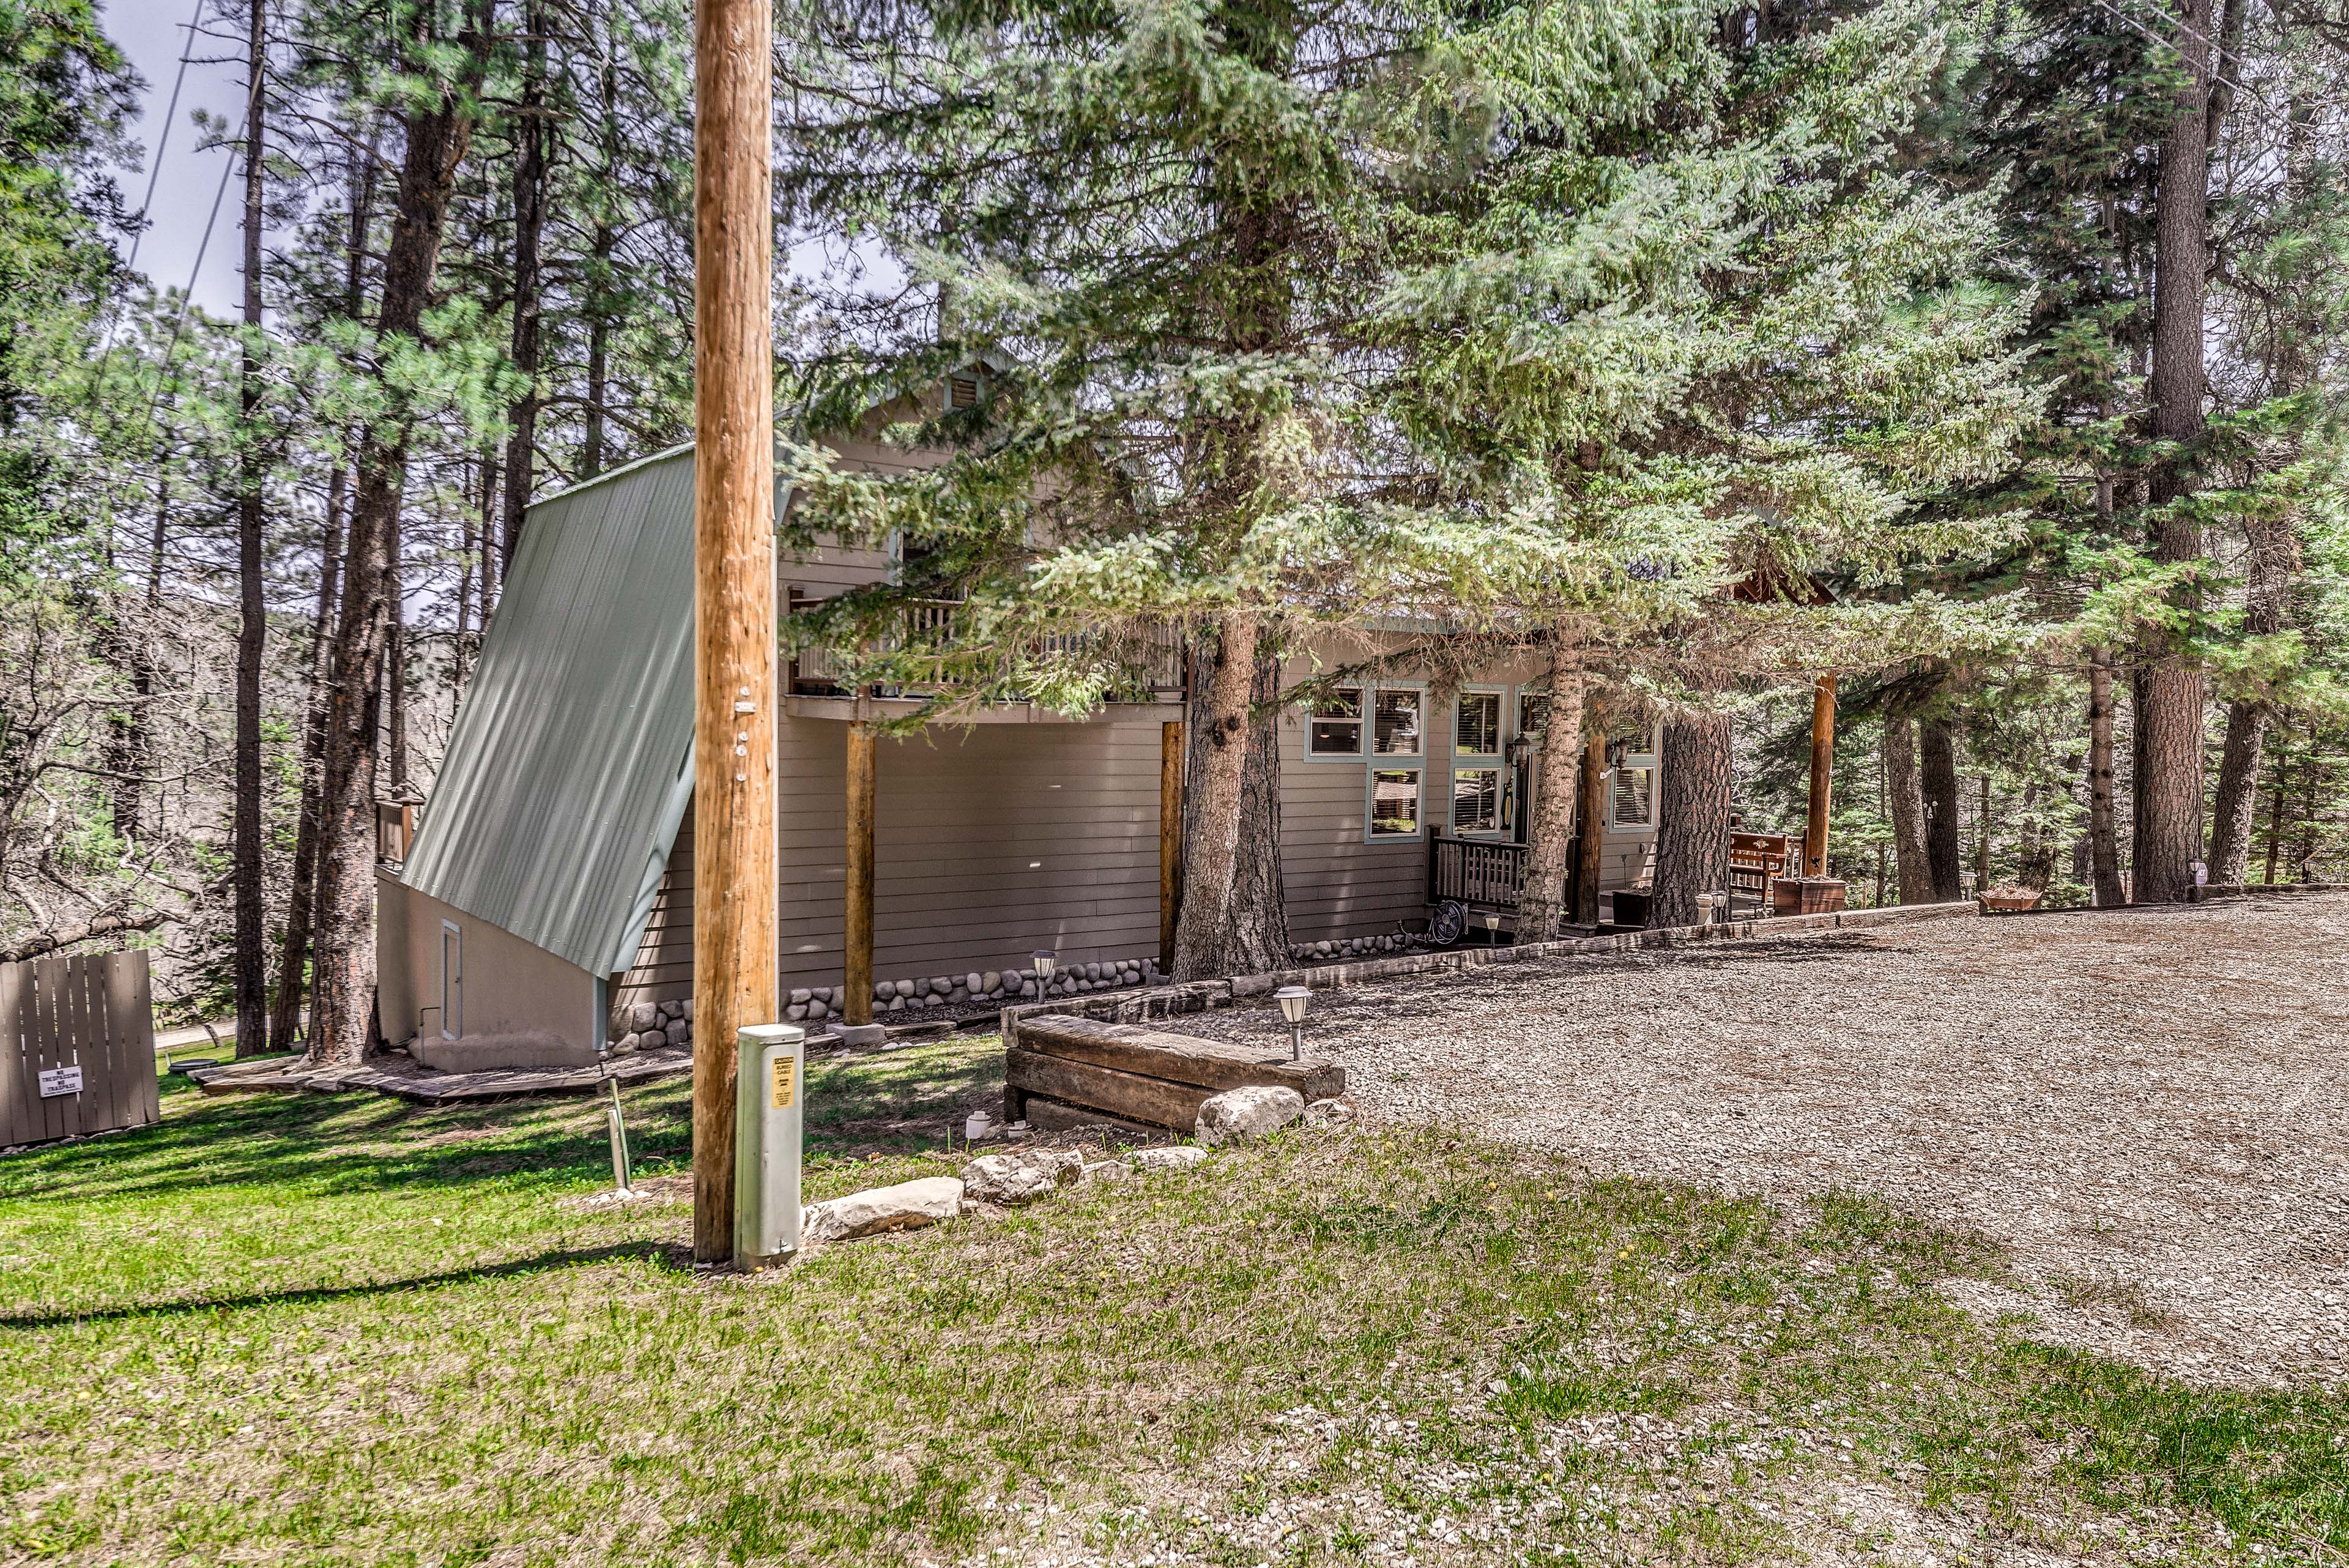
(734, 960)
(857, 915)
(1170, 837)
(1815, 830)
(252, 630)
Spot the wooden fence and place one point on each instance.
(76, 1048)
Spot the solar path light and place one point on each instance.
(1043, 958)
(1292, 1000)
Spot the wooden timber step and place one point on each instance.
(1144, 1076)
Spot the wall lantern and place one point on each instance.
(1292, 1000)
(1520, 749)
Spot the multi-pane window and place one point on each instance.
(1477, 787)
(1335, 728)
(1532, 712)
(1395, 724)
(1394, 803)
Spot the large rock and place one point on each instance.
(1329, 1114)
(1021, 1175)
(1248, 1113)
(1159, 1161)
(907, 1205)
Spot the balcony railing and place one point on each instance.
(1150, 667)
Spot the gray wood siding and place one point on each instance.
(989, 843)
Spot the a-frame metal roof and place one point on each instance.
(570, 765)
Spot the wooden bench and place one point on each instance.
(1756, 860)
(1060, 1071)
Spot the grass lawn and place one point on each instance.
(341, 1329)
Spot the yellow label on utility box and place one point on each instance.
(785, 1081)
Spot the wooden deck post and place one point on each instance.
(856, 916)
(1592, 782)
(734, 893)
(1814, 832)
(1170, 838)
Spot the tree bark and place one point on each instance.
(1550, 839)
(439, 134)
(249, 883)
(1944, 852)
(1902, 781)
(1257, 934)
(531, 144)
(2170, 733)
(1692, 816)
(1219, 717)
(2275, 817)
(2103, 843)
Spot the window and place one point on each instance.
(1336, 728)
(1532, 712)
(1394, 803)
(1476, 800)
(1476, 731)
(1395, 724)
(1634, 797)
(452, 981)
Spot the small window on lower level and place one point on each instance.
(1476, 800)
(1394, 803)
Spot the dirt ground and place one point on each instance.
(2150, 1108)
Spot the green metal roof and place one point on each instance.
(571, 765)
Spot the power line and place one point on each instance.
(163, 136)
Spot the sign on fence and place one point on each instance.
(76, 1048)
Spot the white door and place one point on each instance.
(452, 981)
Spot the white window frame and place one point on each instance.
(1643, 759)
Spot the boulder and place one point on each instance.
(907, 1205)
(679, 1031)
(1020, 1176)
(801, 996)
(991, 981)
(862, 1035)
(1248, 1113)
(643, 1016)
(1158, 1161)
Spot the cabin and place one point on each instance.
(539, 905)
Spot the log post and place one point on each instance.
(1815, 831)
(1170, 838)
(734, 904)
(857, 915)
(1592, 780)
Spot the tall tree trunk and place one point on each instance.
(395, 658)
(2104, 843)
(135, 752)
(253, 627)
(1590, 809)
(1257, 934)
(1692, 816)
(1944, 853)
(531, 142)
(1901, 781)
(2169, 737)
(1216, 785)
(596, 303)
(438, 136)
(1549, 838)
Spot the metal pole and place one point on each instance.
(734, 965)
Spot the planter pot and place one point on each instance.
(1805, 896)
(2008, 903)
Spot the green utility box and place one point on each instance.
(770, 1084)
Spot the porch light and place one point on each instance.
(1292, 1000)
(1043, 958)
(1520, 748)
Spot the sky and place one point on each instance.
(153, 33)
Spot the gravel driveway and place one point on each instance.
(2149, 1107)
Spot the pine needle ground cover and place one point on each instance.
(340, 1329)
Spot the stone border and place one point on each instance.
(1199, 995)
